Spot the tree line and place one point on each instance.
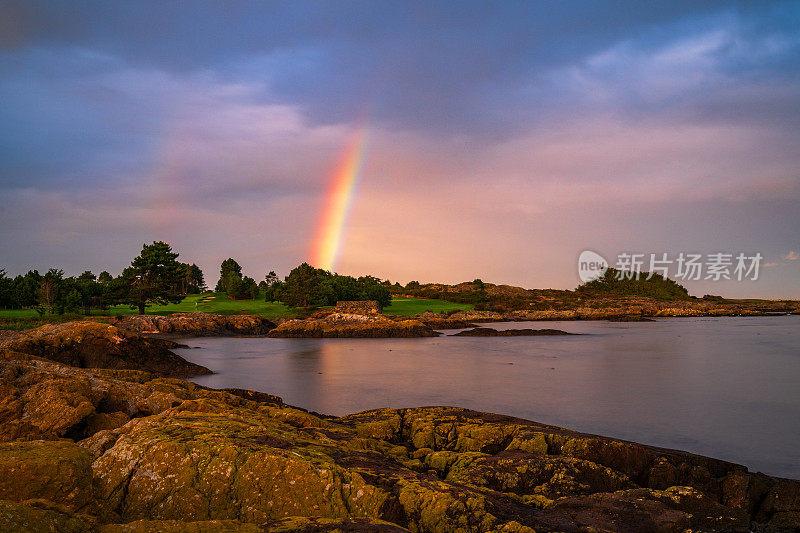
(156, 276)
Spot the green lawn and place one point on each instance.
(215, 302)
(209, 302)
(415, 306)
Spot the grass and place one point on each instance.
(415, 306)
(208, 302)
(213, 302)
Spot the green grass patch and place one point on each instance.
(214, 302)
(210, 302)
(415, 306)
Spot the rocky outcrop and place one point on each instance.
(490, 332)
(346, 325)
(636, 310)
(442, 321)
(87, 344)
(195, 324)
(478, 316)
(177, 457)
(358, 307)
(41, 399)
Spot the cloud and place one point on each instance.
(791, 256)
(503, 139)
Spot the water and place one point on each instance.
(722, 387)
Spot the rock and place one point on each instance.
(187, 458)
(350, 325)
(439, 321)
(195, 324)
(86, 344)
(35, 516)
(678, 509)
(41, 399)
(59, 471)
(489, 332)
(349, 525)
(478, 316)
(179, 526)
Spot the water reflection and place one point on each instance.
(723, 387)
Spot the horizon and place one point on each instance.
(504, 140)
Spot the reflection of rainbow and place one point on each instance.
(328, 240)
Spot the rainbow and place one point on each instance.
(338, 201)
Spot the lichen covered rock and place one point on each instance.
(351, 325)
(195, 324)
(128, 451)
(87, 344)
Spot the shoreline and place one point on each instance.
(77, 430)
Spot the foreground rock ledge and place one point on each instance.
(97, 345)
(123, 450)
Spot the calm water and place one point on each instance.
(723, 387)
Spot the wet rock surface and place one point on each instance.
(125, 450)
(443, 321)
(195, 324)
(490, 332)
(352, 325)
(87, 344)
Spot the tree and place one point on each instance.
(197, 282)
(153, 277)
(249, 287)
(227, 267)
(271, 278)
(372, 289)
(302, 286)
(25, 289)
(89, 290)
(104, 278)
(307, 286)
(6, 289)
(47, 294)
(232, 285)
(654, 286)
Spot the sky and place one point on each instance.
(503, 138)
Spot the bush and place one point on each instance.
(656, 287)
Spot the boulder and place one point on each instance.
(351, 325)
(87, 344)
(442, 321)
(195, 324)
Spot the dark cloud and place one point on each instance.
(172, 118)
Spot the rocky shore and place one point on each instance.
(96, 345)
(351, 325)
(121, 450)
(490, 332)
(195, 324)
(644, 309)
